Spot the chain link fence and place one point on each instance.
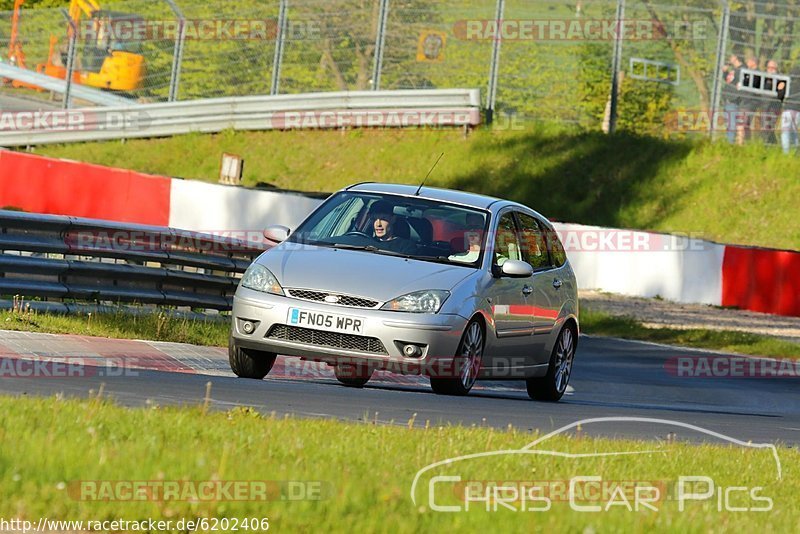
(648, 66)
(760, 45)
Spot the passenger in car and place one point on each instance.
(473, 237)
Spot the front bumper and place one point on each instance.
(437, 335)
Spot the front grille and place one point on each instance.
(309, 336)
(344, 300)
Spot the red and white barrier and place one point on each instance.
(760, 279)
(620, 261)
(62, 187)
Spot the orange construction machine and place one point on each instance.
(105, 61)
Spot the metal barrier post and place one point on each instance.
(177, 54)
(279, 44)
(722, 45)
(615, 65)
(491, 99)
(73, 35)
(380, 39)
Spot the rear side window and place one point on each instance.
(556, 248)
(531, 237)
(505, 245)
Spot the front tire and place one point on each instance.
(248, 363)
(552, 386)
(466, 363)
(352, 375)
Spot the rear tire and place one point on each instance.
(552, 386)
(466, 363)
(248, 363)
(353, 375)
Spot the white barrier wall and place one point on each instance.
(644, 264)
(221, 209)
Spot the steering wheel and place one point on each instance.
(356, 232)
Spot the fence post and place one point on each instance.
(615, 65)
(279, 44)
(177, 54)
(722, 45)
(380, 39)
(73, 35)
(491, 98)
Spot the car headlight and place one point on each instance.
(428, 301)
(260, 278)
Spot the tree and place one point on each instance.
(341, 54)
(8, 5)
(695, 56)
(765, 30)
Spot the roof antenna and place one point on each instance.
(429, 173)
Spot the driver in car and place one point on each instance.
(384, 223)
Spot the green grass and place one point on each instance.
(604, 324)
(727, 193)
(365, 470)
(156, 326)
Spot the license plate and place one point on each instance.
(331, 322)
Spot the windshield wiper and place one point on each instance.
(442, 259)
(393, 253)
(314, 242)
(376, 250)
(368, 248)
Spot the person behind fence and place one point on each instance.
(735, 110)
(749, 105)
(730, 97)
(791, 114)
(773, 107)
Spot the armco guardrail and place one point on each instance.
(82, 92)
(429, 107)
(57, 257)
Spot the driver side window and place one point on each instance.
(339, 220)
(506, 246)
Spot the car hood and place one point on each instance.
(353, 272)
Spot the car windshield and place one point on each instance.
(396, 225)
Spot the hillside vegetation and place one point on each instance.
(732, 194)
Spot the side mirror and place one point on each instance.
(516, 269)
(276, 233)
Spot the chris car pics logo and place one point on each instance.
(448, 486)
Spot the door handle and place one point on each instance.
(557, 283)
(527, 290)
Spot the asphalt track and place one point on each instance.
(612, 378)
(26, 103)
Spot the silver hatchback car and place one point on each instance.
(414, 280)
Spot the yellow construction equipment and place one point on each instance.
(106, 62)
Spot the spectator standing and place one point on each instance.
(749, 104)
(730, 96)
(791, 114)
(772, 109)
